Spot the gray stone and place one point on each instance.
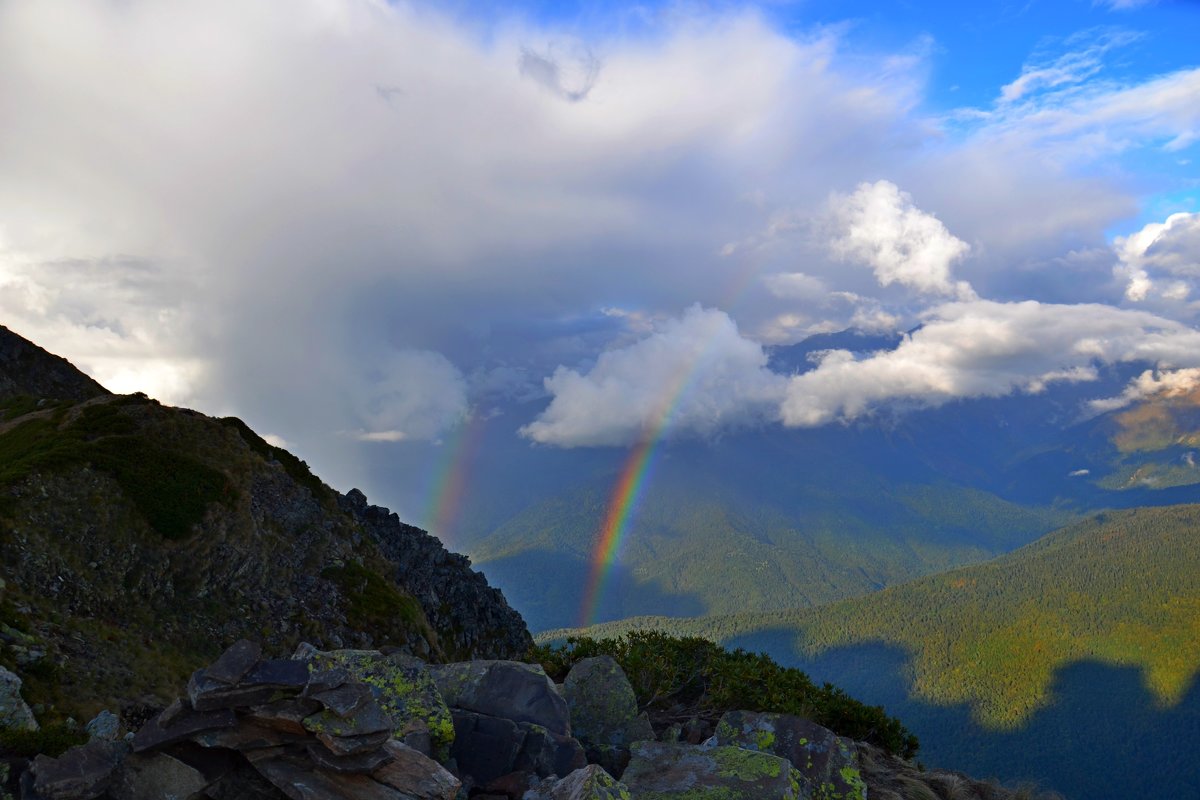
(14, 713)
(283, 674)
(665, 771)
(416, 775)
(827, 763)
(183, 726)
(106, 726)
(509, 689)
(366, 717)
(81, 773)
(235, 662)
(158, 776)
(285, 715)
(589, 783)
(352, 745)
(486, 748)
(361, 763)
(209, 694)
(301, 782)
(604, 712)
(345, 699)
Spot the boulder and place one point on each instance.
(664, 771)
(158, 776)
(105, 725)
(81, 773)
(589, 783)
(14, 713)
(828, 764)
(486, 748)
(401, 685)
(508, 689)
(416, 775)
(604, 712)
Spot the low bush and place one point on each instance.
(694, 673)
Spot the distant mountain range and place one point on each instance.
(1051, 663)
(775, 518)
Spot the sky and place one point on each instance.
(360, 224)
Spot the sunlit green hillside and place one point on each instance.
(1121, 588)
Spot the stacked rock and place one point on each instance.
(251, 727)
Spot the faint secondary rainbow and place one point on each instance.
(450, 479)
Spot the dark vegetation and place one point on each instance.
(375, 604)
(676, 678)
(51, 740)
(295, 467)
(171, 489)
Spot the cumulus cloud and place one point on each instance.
(879, 226)
(1151, 383)
(1162, 260)
(411, 394)
(693, 375)
(986, 349)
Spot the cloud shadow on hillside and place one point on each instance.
(545, 586)
(1104, 737)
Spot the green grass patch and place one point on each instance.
(667, 671)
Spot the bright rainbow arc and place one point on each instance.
(631, 483)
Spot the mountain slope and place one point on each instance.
(1055, 662)
(137, 539)
(27, 370)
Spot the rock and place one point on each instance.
(364, 718)
(589, 783)
(544, 752)
(81, 773)
(665, 771)
(209, 694)
(105, 725)
(182, 726)
(234, 663)
(301, 782)
(604, 712)
(485, 748)
(14, 713)
(828, 764)
(286, 716)
(416, 775)
(158, 776)
(507, 689)
(352, 745)
(361, 763)
(403, 688)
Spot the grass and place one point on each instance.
(375, 605)
(295, 467)
(50, 740)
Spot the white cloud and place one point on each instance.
(986, 349)
(1070, 68)
(1151, 383)
(795, 286)
(694, 375)
(1162, 260)
(879, 226)
(411, 394)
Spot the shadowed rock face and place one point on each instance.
(28, 370)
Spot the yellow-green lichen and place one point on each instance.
(856, 786)
(745, 765)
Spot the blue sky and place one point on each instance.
(359, 224)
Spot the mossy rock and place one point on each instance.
(663, 771)
(404, 690)
(828, 764)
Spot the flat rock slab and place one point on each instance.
(183, 725)
(158, 776)
(416, 775)
(301, 782)
(664, 771)
(235, 662)
(828, 764)
(508, 689)
(81, 773)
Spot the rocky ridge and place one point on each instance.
(137, 539)
(370, 725)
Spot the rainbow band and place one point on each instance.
(624, 500)
(450, 478)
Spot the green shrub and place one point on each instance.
(375, 605)
(667, 671)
